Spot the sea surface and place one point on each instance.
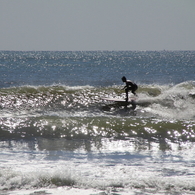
(59, 136)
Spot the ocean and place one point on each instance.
(59, 136)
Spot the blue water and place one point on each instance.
(57, 133)
(95, 68)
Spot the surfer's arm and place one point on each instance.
(124, 87)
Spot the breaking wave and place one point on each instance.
(80, 112)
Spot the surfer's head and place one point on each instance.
(124, 79)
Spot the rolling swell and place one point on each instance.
(98, 127)
(80, 113)
(45, 99)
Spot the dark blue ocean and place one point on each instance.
(59, 136)
(100, 68)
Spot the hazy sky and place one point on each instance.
(97, 25)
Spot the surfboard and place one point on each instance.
(130, 101)
(122, 102)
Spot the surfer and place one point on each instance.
(130, 86)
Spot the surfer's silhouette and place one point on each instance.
(130, 86)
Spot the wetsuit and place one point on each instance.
(130, 86)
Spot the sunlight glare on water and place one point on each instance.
(58, 134)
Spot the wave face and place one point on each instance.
(63, 111)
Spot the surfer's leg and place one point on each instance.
(134, 89)
(126, 91)
(134, 93)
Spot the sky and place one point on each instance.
(85, 25)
